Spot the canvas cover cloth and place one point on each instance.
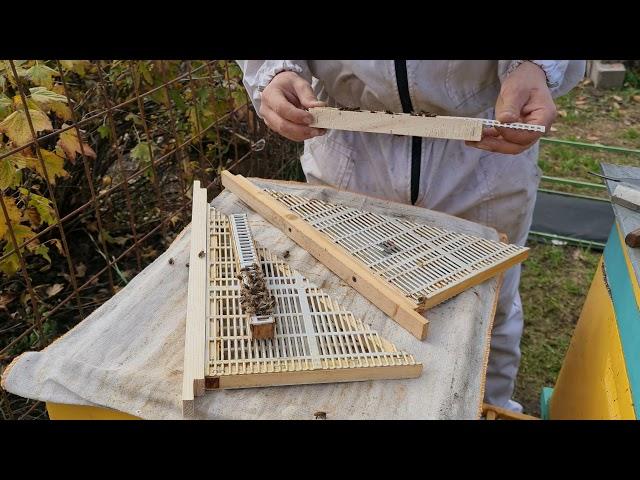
(490, 188)
(128, 354)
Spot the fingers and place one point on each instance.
(510, 103)
(286, 128)
(285, 109)
(499, 145)
(519, 137)
(305, 94)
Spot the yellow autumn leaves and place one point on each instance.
(22, 118)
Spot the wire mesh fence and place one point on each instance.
(97, 159)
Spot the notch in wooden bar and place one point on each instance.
(452, 128)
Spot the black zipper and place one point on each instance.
(416, 142)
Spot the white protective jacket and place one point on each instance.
(446, 175)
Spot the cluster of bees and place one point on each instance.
(420, 113)
(255, 298)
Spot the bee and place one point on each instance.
(389, 112)
(389, 247)
(320, 415)
(286, 254)
(171, 261)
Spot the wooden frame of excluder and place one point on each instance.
(485, 258)
(315, 340)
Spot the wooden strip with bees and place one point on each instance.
(417, 125)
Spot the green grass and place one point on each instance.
(554, 283)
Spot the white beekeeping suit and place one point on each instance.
(446, 175)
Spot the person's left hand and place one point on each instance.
(524, 97)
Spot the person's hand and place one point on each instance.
(524, 97)
(283, 104)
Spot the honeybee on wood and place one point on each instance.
(320, 415)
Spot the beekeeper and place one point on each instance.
(493, 181)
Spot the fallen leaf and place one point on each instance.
(5, 299)
(554, 129)
(58, 245)
(42, 75)
(580, 102)
(62, 111)
(592, 137)
(81, 269)
(54, 289)
(616, 105)
(7, 174)
(562, 113)
(617, 98)
(14, 217)
(70, 145)
(16, 125)
(77, 66)
(636, 98)
(46, 97)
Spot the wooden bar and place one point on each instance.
(193, 379)
(453, 128)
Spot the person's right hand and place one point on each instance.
(283, 101)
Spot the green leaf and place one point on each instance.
(43, 251)
(16, 125)
(5, 105)
(132, 117)
(106, 236)
(7, 174)
(178, 101)
(44, 208)
(42, 75)
(104, 131)
(77, 66)
(22, 233)
(142, 152)
(45, 96)
(144, 71)
(10, 265)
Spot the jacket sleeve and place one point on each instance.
(562, 75)
(256, 75)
